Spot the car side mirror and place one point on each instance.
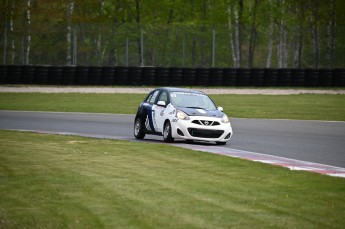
(220, 109)
(161, 103)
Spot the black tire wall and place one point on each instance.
(173, 76)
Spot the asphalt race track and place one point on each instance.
(312, 141)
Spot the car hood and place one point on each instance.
(201, 112)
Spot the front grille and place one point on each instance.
(206, 123)
(201, 133)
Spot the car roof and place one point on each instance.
(176, 89)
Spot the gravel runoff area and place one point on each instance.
(145, 90)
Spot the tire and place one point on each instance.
(220, 143)
(139, 131)
(167, 132)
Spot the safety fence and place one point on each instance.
(173, 76)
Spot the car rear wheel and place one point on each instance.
(167, 132)
(139, 132)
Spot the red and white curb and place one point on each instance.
(291, 164)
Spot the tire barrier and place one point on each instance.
(202, 76)
(15, 72)
(325, 77)
(41, 75)
(162, 76)
(229, 76)
(311, 78)
(82, 75)
(271, 77)
(95, 75)
(216, 77)
(108, 76)
(297, 77)
(257, 77)
(243, 77)
(173, 76)
(284, 77)
(149, 76)
(134, 74)
(3, 74)
(55, 75)
(121, 75)
(338, 78)
(28, 74)
(68, 73)
(188, 76)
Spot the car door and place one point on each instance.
(150, 122)
(160, 111)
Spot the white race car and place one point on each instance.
(177, 113)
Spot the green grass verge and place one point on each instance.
(51, 181)
(303, 107)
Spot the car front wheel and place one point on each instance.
(167, 132)
(139, 132)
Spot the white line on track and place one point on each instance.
(291, 164)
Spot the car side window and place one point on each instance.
(152, 98)
(163, 97)
(148, 97)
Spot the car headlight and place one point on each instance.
(225, 119)
(182, 115)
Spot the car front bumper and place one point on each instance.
(196, 129)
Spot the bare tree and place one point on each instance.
(99, 39)
(234, 39)
(13, 47)
(194, 50)
(69, 33)
(140, 40)
(314, 19)
(5, 35)
(282, 51)
(112, 60)
(202, 40)
(331, 35)
(270, 45)
(239, 27)
(28, 36)
(252, 39)
(299, 35)
(232, 48)
(237, 38)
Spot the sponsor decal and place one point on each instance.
(174, 94)
(150, 118)
(154, 120)
(147, 125)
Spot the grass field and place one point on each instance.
(304, 107)
(50, 181)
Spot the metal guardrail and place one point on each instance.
(174, 76)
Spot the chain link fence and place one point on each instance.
(166, 46)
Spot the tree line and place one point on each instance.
(188, 33)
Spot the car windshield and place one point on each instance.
(192, 100)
